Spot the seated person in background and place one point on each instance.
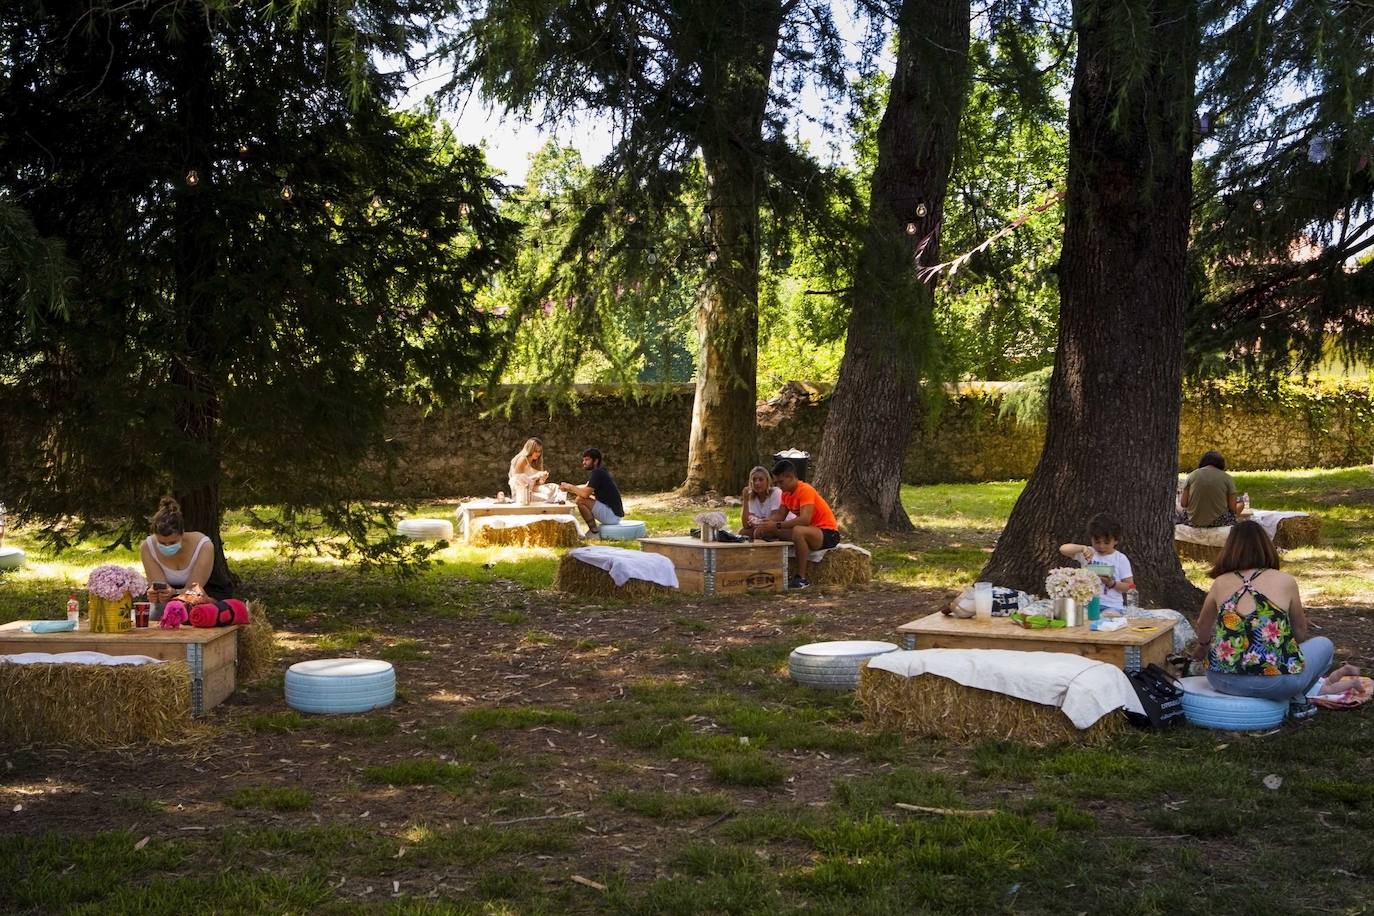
(1210, 498)
(527, 469)
(812, 528)
(1105, 532)
(760, 500)
(175, 559)
(598, 501)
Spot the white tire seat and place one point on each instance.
(426, 529)
(834, 665)
(627, 530)
(11, 558)
(1207, 707)
(340, 685)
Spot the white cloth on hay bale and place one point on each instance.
(1083, 689)
(76, 658)
(624, 565)
(1268, 519)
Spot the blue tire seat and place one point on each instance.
(425, 529)
(627, 530)
(1207, 707)
(340, 685)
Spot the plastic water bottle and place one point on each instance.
(1132, 600)
(73, 610)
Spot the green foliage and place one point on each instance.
(263, 260)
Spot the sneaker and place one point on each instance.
(592, 533)
(1301, 708)
(796, 583)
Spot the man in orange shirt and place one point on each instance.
(812, 526)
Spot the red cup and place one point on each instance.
(141, 609)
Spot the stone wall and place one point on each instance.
(464, 449)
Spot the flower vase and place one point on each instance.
(108, 616)
(708, 534)
(1067, 610)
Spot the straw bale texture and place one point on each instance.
(1299, 531)
(934, 706)
(837, 569)
(94, 705)
(1187, 550)
(257, 645)
(578, 578)
(543, 533)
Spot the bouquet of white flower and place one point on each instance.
(1079, 584)
(711, 520)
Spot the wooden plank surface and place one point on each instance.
(684, 541)
(999, 629)
(131, 642)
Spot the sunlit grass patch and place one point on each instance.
(271, 798)
(662, 804)
(420, 772)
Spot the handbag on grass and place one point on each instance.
(1161, 696)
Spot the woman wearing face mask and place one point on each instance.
(174, 557)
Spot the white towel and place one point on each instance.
(76, 658)
(624, 565)
(1216, 537)
(1084, 690)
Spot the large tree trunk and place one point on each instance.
(195, 457)
(1112, 439)
(735, 78)
(875, 403)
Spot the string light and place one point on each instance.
(376, 202)
(1259, 204)
(546, 214)
(286, 192)
(243, 150)
(652, 256)
(193, 178)
(713, 255)
(464, 210)
(424, 233)
(593, 254)
(910, 228)
(921, 209)
(631, 217)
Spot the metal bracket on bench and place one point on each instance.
(708, 572)
(1133, 658)
(195, 660)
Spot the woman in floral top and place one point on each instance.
(1253, 629)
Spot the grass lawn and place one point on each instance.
(550, 755)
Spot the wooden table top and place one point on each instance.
(488, 505)
(940, 624)
(152, 634)
(686, 541)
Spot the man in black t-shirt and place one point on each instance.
(599, 501)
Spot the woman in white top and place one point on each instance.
(527, 469)
(761, 500)
(174, 558)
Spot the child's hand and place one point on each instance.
(1108, 582)
(1086, 556)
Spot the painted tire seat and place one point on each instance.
(834, 665)
(1207, 707)
(340, 685)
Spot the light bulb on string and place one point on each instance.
(652, 256)
(192, 178)
(286, 192)
(376, 202)
(243, 150)
(546, 214)
(1259, 204)
(910, 228)
(464, 210)
(424, 233)
(921, 209)
(713, 255)
(631, 217)
(593, 254)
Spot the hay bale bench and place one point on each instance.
(576, 576)
(838, 567)
(931, 693)
(476, 514)
(527, 531)
(64, 698)
(1287, 529)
